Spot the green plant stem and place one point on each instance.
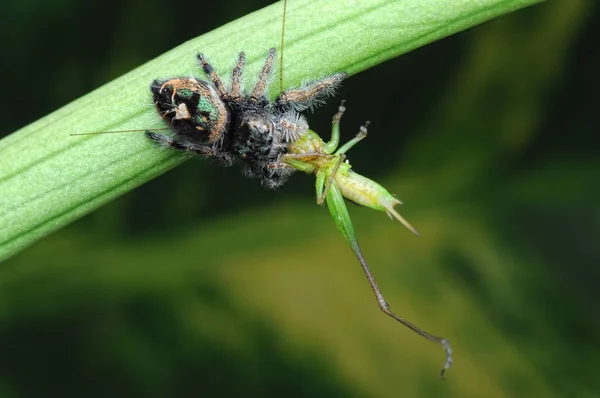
(49, 178)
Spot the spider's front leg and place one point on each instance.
(212, 74)
(177, 143)
(186, 145)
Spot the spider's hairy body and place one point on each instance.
(235, 127)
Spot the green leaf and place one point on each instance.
(49, 178)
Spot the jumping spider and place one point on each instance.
(231, 126)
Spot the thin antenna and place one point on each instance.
(281, 50)
(119, 131)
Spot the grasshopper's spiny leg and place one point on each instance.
(213, 76)
(263, 78)
(236, 78)
(384, 306)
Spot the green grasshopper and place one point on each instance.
(336, 181)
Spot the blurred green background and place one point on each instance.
(202, 283)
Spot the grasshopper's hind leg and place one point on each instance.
(339, 212)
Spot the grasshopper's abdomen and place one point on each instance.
(364, 191)
(368, 193)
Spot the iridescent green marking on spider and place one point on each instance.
(207, 115)
(206, 106)
(185, 93)
(336, 181)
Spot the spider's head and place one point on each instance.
(191, 107)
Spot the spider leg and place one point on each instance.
(185, 145)
(180, 144)
(310, 95)
(263, 79)
(292, 125)
(213, 76)
(236, 79)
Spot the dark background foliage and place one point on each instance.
(203, 283)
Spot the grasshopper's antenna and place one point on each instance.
(118, 131)
(281, 50)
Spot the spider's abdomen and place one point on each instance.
(191, 107)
